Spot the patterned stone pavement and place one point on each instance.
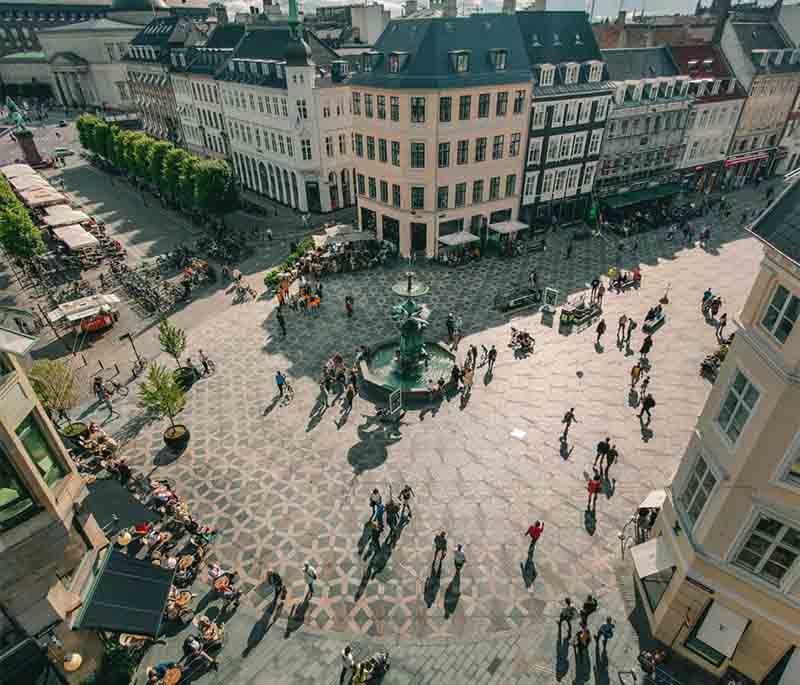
(284, 488)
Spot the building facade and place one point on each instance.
(790, 141)
(764, 61)
(721, 573)
(440, 111)
(44, 536)
(571, 102)
(715, 107)
(285, 99)
(148, 61)
(644, 140)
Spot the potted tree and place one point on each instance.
(56, 387)
(173, 341)
(161, 394)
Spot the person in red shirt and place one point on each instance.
(593, 487)
(535, 531)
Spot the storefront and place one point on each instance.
(704, 178)
(741, 169)
(390, 230)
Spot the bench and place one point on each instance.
(652, 325)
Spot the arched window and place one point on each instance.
(286, 185)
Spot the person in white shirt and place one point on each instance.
(310, 574)
(347, 665)
(459, 558)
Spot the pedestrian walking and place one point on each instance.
(375, 529)
(322, 398)
(567, 615)
(611, 458)
(645, 385)
(205, 361)
(380, 509)
(723, 321)
(532, 280)
(348, 305)
(467, 380)
(623, 321)
(281, 321)
(310, 575)
(274, 579)
(647, 345)
(535, 531)
(602, 450)
(631, 327)
(583, 639)
(568, 420)
(349, 396)
(319, 291)
(588, 608)
(269, 234)
(606, 632)
(569, 249)
(636, 372)
(593, 487)
(601, 328)
(601, 291)
(648, 403)
(459, 559)
(595, 285)
(440, 547)
(451, 326)
(280, 381)
(405, 497)
(473, 352)
(492, 357)
(348, 664)
(458, 332)
(374, 501)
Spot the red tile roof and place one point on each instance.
(685, 53)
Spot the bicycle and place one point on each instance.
(115, 389)
(137, 367)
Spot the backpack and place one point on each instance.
(651, 402)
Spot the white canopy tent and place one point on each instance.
(83, 308)
(722, 629)
(64, 215)
(14, 170)
(354, 237)
(75, 237)
(507, 226)
(460, 238)
(652, 557)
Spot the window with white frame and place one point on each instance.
(594, 142)
(585, 112)
(539, 112)
(578, 145)
(535, 151)
(588, 176)
(547, 182)
(595, 71)
(602, 109)
(558, 115)
(781, 314)
(571, 113)
(572, 177)
(697, 489)
(566, 147)
(571, 73)
(546, 75)
(737, 407)
(529, 189)
(558, 185)
(770, 549)
(553, 146)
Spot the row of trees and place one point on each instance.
(189, 180)
(19, 235)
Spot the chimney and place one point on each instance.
(221, 14)
(621, 16)
(410, 7)
(451, 8)
(509, 6)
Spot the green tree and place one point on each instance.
(54, 382)
(86, 125)
(161, 394)
(172, 340)
(140, 154)
(102, 132)
(18, 234)
(186, 182)
(155, 170)
(113, 152)
(173, 164)
(215, 190)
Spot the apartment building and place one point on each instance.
(197, 94)
(720, 576)
(765, 63)
(47, 541)
(716, 103)
(148, 66)
(644, 140)
(790, 141)
(440, 111)
(571, 101)
(286, 103)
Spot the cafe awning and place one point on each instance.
(652, 557)
(83, 308)
(64, 215)
(722, 629)
(644, 195)
(507, 226)
(75, 237)
(354, 237)
(129, 595)
(735, 161)
(460, 238)
(109, 499)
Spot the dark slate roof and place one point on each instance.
(759, 36)
(556, 37)
(779, 226)
(157, 32)
(226, 36)
(428, 42)
(573, 90)
(639, 63)
(270, 42)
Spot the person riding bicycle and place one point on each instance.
(206, 362)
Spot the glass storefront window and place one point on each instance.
(40, 451)
(16, 504)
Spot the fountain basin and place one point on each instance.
(382, 375)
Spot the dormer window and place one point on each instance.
(535, 42)
(498, 58)
(366, 63)
(693, 63)
(578, 39)
(394, 64)
(546, 75)
(459, 61)
(571, 73)
(556, 39)
(708, 64)
(595, 71)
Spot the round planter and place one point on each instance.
(177, 438)
(75, 430)
(185, 376)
